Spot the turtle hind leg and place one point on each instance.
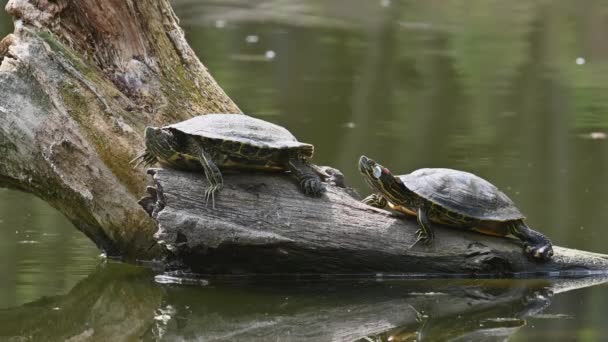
(425, 233)
(310, 182)
(213, 175)
(535, 244)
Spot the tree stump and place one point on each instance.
(79, 82)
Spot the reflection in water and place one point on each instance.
(512, 91)
(121, 302)
(41, 253)
(113, 303)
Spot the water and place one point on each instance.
(41, 252)
(514, 92)
(120, 302)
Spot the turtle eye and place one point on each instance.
(377, 172)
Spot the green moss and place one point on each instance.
(75, 103)
(68, 53)
(79, 108)
(135, 235)
(118, 162)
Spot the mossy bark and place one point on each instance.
(79, 82)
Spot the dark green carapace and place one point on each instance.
(216, 141)
(454, 198)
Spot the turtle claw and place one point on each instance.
(146, 158)
(210, 194)
(415, 243)
(376, 201)
(312, 186)
(424, 237)
(540, 252)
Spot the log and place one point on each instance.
(262, 224)
(79, 81)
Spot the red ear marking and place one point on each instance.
(385, 171)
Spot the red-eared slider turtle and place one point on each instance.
(453, 198)
(217, 141)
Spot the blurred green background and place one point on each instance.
(514, 91)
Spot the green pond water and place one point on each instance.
(514, 91)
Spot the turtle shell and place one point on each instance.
(463, 193)
(241, 128)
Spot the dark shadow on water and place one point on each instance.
(122, 302)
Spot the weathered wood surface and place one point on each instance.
(79, 81)
(263, 224)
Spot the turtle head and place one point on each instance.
(376, 175)
(160, 143)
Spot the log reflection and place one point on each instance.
(121, 302)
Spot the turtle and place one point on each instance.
(213, 142)
(453, 198)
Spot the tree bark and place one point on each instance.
(262, 223)
(79, 82)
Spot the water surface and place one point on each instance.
(512, 91)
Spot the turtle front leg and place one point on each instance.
(535, 244)
(213, 175)
(145, 158)
(425, 233)
(376, 200)
(309, 180)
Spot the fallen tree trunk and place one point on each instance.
(79, 81)
(262, 223)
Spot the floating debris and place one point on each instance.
(163, 317)
(580, 61)
(165, 314)
(167, 279)
(385, 3)
(252, 39)
(220, 23)
(552, 316)
(241, 57)
(270, 54)
(350, 125)
(597, 135)
(428, 293)
(594, 136)
(24, 242)
(502, 322)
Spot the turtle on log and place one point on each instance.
(453, 198)
(224, 141)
